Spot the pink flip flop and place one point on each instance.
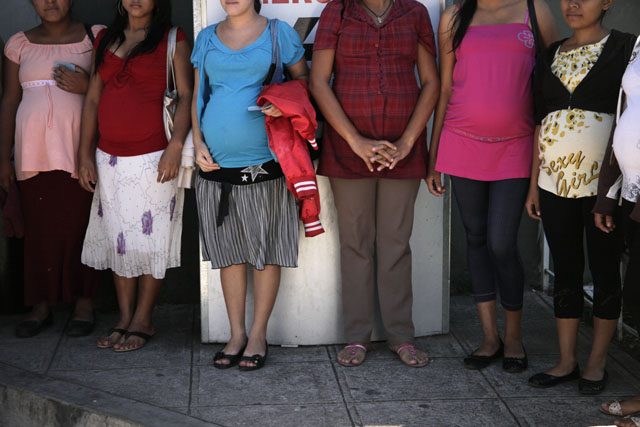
(354, 349)
(412, 350)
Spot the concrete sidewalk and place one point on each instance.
(53, 380)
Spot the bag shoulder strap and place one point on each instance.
(171, 53)
(89, 31)
(276, 71)
(533, 18)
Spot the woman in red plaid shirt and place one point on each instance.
(375, 153)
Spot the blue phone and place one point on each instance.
(67, 65)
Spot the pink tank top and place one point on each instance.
(488, 127)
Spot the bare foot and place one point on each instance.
(594, 373)
(352, 355)
(234, 346)
(488, 347)
(134, 342)
(562, 368)
(513, 348)
(628, 422)
(411, 355)
(112, 339)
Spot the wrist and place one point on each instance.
(406, 140)
(174, 141)
(352, 139)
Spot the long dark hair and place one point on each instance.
(114, 34)
(462, 20)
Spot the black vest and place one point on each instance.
(598, 91)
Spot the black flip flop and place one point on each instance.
(120, 331)
(233, 359)
(257, 360)
(145, 337)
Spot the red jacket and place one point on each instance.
(288, 136)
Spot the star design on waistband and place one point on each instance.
(254, 171)
(244, 178)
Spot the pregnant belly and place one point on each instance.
(626, 142)
(123, 117)
(490, 119)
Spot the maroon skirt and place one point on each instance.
(56, 214)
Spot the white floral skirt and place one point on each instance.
(135, 225)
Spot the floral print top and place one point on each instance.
(572, 142)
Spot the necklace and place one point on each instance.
(378, 17)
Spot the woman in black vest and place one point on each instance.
(577, 82)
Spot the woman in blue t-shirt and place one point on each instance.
(247, 215)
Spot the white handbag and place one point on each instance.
(170, 104)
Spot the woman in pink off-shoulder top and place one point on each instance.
(46, 77)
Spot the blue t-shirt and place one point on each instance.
(230, 82)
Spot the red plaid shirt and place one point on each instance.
(374, 81)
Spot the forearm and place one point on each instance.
(438, 123)
(535, 161)
(182, 119)
(88, 130)
(7, 131)
(333, 112)
(424, 107)
(198, 138)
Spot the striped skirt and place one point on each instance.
(260, 229)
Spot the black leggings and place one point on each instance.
(631, 290)
(565, 221)
(491, 213)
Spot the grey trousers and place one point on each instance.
(375, 218)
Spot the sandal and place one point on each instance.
(614, 407)
(233, 359)
(111, 331)
(257, 360)
(145, 337)
(354, 349)
(412, 351)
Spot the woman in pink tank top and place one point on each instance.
(482, 138)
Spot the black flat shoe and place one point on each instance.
(543, 380)
(475, 362)
(233, 359)
(590, 387)
(81, 328)
(515, 365)
(257, 360)
(31, 328)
